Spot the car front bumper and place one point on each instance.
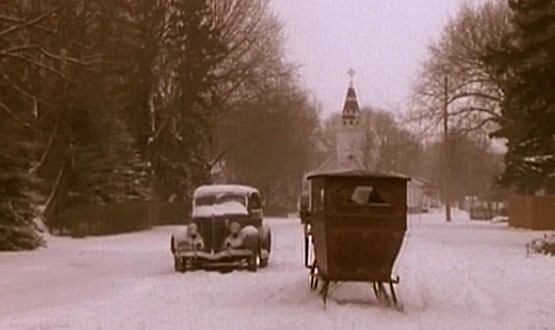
(224, 256)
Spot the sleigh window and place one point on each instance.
(367, 195)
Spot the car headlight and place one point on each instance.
(192, 230)
(192, 239)
(234, 240)
(234, 228)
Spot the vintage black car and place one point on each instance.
(226, 230)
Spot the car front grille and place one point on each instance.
(215, 230)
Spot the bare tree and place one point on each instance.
(271, 143)
(472, 93)
(458, 92)
(217, 56)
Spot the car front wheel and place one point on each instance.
(252, 263)
(179, 265)
(264, 263)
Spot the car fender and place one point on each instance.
(177, 236)
(251, 237)
(180, 234)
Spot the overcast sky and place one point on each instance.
(383, 40)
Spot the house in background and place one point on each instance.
(422, 196)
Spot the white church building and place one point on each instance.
(350, 139)
(350, 153)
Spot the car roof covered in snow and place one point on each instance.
(215, 189)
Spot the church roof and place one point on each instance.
(350, 107)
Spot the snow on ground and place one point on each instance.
(458, 275)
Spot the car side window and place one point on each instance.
(254, 202)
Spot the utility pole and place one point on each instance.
(447, 153)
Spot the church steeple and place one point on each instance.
(351, 111)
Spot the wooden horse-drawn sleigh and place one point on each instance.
(354, 226)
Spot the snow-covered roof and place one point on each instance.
(209, 190)
(358, 173)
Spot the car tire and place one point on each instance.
(265, 245)
(180, 265)
(263, 263)
(265, 238)
(172, 245)
(252, 263)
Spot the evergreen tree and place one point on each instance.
(17, 228)
(26, 62)
(527, 67)
(107, 165)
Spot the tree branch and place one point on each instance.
(29, 23)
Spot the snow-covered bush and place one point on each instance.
(545, 245)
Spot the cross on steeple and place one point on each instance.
(351, 74)
(350, 107)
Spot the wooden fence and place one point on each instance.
(118, 218)
(532, 212)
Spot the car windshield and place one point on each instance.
(219, 199)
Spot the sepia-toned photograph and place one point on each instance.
(277, 164)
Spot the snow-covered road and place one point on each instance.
(461, 275)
